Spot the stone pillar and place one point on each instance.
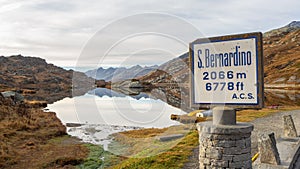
(289, 129)
(267, 149)
(224, 146)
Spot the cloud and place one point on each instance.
(54, 6)
(58, 30)
(133, 34)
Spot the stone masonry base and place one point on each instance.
(225, 146)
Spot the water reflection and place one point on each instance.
(101, 92)
(104, 106)
(152, 109)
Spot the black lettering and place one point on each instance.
(236, 58)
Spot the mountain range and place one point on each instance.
(119, 74)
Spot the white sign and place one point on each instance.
(226, 71)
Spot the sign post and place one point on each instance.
(227, 70)
(227, 74)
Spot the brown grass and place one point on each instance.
(174, 157)
(282, 57)
(144, 133)
(144, 142)
(31, 138)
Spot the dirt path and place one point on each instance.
(273, 123)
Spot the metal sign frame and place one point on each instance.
(257, 36)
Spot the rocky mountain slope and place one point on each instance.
(119, 74)
(38, 80)
(171, 80)
(282, 55)
(173, 71)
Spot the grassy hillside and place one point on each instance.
(31, 138)
(282, 57)
(38, 80)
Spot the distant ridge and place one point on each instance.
(293, 26)
(119, 74)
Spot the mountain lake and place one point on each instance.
(101, 112)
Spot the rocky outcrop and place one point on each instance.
(16, 97)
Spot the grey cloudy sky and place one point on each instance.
(123, 33)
